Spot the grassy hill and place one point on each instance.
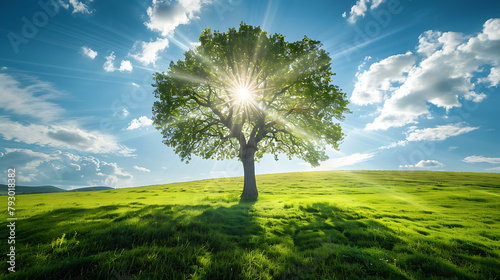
(314, 225)
(90, 189)
(48, 189)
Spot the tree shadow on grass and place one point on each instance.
(135, 241)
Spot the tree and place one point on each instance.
(243, 94)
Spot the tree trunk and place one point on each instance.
(247, 155)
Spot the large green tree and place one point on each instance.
(244, 93)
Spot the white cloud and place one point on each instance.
(62, 136)
(424, 164)
(143, 169)
(140, 122)
(494, 169)
(149, 53)
(89, 52)
(349, 160)
(110, 67)
(439, 133)
(48, 127)
(478, 159)
(372, 83)
(64, 169)
(165, 16)
(443, 77)
(125, 66)
(4, 68)
(493, 78)
(29, 100)
(492, 29)
(78, 6)
(360, 8)
(125, 112)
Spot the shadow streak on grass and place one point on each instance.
(316, 241)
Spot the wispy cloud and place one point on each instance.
(89, 52)
(424, 164)
(47, 126)
(481, 159)
(335, 163)
(140, 122)
(68, 136)
(438, 133)
(31, 99)
(143, 169)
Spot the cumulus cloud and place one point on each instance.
(379, 78)
(140, 122)
(78, 6)
(149, 51)
(349, 160)
(360, 8)
(125, 66)
(424, 164)
(443, 77)
(143, 169)
(109, 65)
(4, 68)
(479, 159)
(64, 169)
(165, 17)
(89, 52)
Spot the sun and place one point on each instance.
(243, 95)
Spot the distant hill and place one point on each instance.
(87, 189)
(48, 189)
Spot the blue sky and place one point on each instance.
(75, 84)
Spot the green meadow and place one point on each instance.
(312, 225)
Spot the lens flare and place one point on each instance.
(243, 95)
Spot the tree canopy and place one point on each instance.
(244, 92)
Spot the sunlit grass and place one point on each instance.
(315, 225)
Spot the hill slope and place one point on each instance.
(314, 225)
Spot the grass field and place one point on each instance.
(314, 225)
